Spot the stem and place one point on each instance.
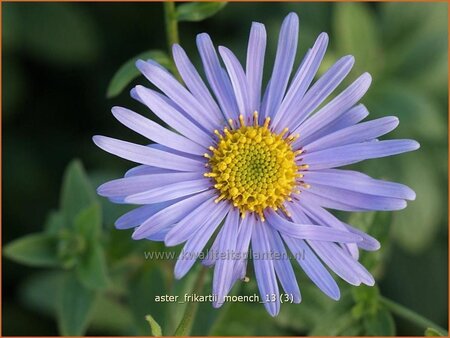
(185, 326)
(170, 17)
(410, 315)
(171, 23)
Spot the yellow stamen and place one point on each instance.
(254, 168)
(241, 120)
(255, 118)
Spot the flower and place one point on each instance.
(260, 171)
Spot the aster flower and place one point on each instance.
(256, 172)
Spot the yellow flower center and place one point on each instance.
(253, 167)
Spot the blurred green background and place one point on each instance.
(58, 59)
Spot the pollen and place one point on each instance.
(253, 167)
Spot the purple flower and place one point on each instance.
(257, 169)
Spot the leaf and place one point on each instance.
(55, 221)
(302, 318)
(378, 225)
(108, 315)
(88, 222)
(416, 41)
(154, 326)
(419, 116)
(337, 319)
(431, 332)
(74, 307)
(415, 227)
(58, 32)
(12, 34)
(179, 288)
(148, 281)
(77, 192)
(379, 324)
(356, 33)
(198, 11)
(128, 71)
(92, 269)
(38, 249)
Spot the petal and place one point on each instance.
(358, 182)
(284, 60)
(342, 264)
(216, 77)
(172, 116)
(169, 192)
(302, 80)
(308, 231)
(255, 64)
(335, 262)
(324, 201)
(195, 83)
(320, 216)
(177, 152)
(238, 80)
(368, 243)
(242, 246)
(340, 121)
(223, 271)
(312, 266)
(264, 270)
(361, 132)
(357, 199)
(179, 94)
(341, 103)
(283, 266)
(197, 242)
(211, 257)
(184, 229)
(155, 132)
(146, 155)
(139, 215)
(146, 170)
(320, 91)
(352, 153)
(160, 235)
(171, 215)
(136, 184)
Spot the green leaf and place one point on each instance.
(415, 227)
(154, 326)
(379, 324)
(302, 318)
(337, 319)
(110, 314)
(74, 307)
(356, 33)
(148, 281)
(88, 222)
(92, 269)
(418, 40)
(409, 103)
(179, 288)
(55, 221)
(12, 34)
(77, 192)
(430, 332)
(198, 11)
(38, 249)
(58, 32)
(378, 225)
(128, 71)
